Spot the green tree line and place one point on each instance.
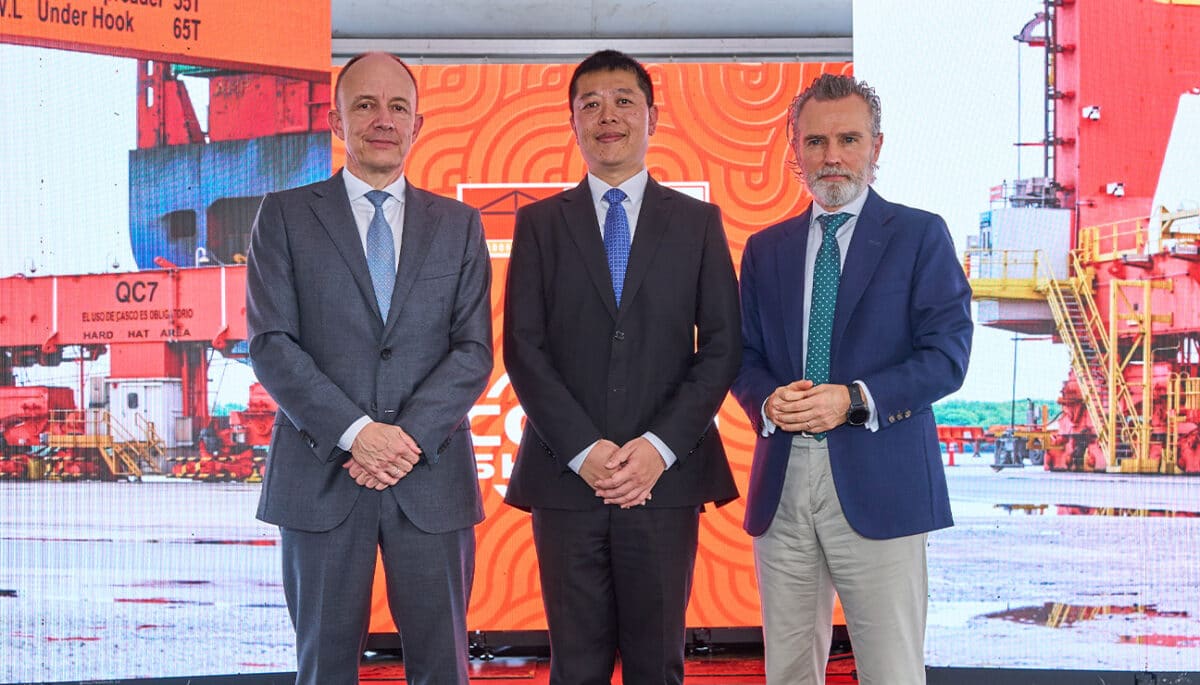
(986, 414)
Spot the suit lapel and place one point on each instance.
(332, 208)
(420, 225)
(790, 265)
(871, 236)
(651, 226)
(580, 216)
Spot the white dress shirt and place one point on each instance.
(364, 211)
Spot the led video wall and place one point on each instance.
(143, 139)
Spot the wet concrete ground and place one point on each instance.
(1105, 576)
(125, 580)
(174, 578)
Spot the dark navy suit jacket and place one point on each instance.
(902, 326)
(586, 369)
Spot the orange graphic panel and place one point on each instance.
(216, 33)
(498, 137)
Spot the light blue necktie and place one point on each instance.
(616, 239)
(826, 273)
(381, 253)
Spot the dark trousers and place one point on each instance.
(327, 579)
(616, 581)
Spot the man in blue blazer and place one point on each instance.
(370, 324)
(856, 318)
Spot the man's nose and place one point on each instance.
(833, 155)
(385, 119)
(608, 112)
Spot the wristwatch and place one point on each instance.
(858, 413)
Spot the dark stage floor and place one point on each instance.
(723, 669)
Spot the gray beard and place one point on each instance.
(833, 194)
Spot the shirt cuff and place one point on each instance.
(768, 426)
(577, 463)
(872, 423)
(348, 437)
(668, 456)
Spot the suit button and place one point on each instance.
(907, 413)
(618, 388)
(619, 336)
(892, 418)
(374, 407)
(385, 354)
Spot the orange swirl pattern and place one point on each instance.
(509, 124)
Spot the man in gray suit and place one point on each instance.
(370, 324)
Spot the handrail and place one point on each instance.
(1105, 242)
(106, 433)
(984, 263)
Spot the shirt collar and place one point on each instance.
(854, 207)
(356, 187)
(634, 187)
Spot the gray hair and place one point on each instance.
(834, 87)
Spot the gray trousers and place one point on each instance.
(327, 579)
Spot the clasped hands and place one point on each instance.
(623, 475)
(381, 455)
(801, 406)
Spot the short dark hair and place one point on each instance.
(834, 87)
(612, 60)
(337, 86)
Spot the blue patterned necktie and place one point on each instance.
(381, 253)
(826, 273)
(616, 239)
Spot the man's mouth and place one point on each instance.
(834, 174)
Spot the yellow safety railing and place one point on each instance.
(1085, 335)
(123, 453)
(1183, 397)
(1004, 274)
(1026, 274)
(1131, 311)
(1106, 242)
(1167, 221)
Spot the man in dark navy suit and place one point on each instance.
(620, 338)
(856, 318)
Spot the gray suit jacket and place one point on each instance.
(318, 345)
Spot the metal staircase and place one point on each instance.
(124, 454)
(1101, 381)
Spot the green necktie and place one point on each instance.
(826, 273)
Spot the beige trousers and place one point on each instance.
(809, 552)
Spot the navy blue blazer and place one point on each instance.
(902, 326)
